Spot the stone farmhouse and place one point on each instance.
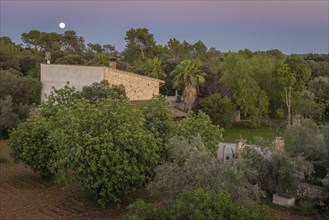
(137, 87)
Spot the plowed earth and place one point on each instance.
(23, 195)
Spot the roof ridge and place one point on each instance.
(135, 74)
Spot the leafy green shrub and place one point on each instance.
(198, 204)
(191, 165)
(220, 110)
(305, 207)
(21, 89)
(284, 173)
(35, 71)
(30, 143)
(106, 146)
(157, 115)
(145, 211)
(17, 94)
(307, 139)
(274, 172)
(199, 124)
(256, 166)
(8, 118)
(59, 99)
(158, 120)
(319, 171)
(102, 90)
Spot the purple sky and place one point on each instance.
(290, 26)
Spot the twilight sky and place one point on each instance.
(297, 26)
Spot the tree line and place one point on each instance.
(260, 84)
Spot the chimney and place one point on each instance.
(113, 64)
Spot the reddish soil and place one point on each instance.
(25, 196)
(286, 215)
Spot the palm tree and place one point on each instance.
(154, 68)
(188, 74)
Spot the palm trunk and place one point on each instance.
(189, 95)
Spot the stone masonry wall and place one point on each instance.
(137, 87)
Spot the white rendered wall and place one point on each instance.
(78, 76)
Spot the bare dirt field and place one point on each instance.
(24, 195)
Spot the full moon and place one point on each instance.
(62, 25)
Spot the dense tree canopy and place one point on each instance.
(250, 99)
(290, 77)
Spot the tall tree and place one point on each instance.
(189, 76)
(140, 44)
(110, 50)
(178, 51)
(290, 78)
(284, 81)
(32, 39)
(72, 43)
(247, 95)
(95, 48)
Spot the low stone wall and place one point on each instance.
(308, 191)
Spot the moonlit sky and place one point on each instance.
(290, 26)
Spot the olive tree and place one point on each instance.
(307, 139)
(191, 166)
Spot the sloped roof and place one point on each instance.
(111, 69)
(135, 75)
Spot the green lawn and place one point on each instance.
(235, 132)
(248, 134)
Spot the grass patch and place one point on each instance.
(237, 132)
(248, 134)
